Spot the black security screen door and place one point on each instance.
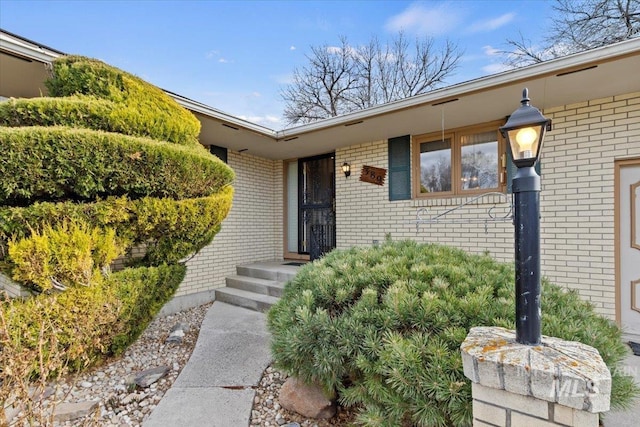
(316, 187)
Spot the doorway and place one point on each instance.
(310, 210)
(628, 247)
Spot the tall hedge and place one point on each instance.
(41, 167)
(107, 165)
(140, 108)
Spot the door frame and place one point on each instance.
(618, 165)
(286, 253)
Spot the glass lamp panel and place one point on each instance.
(479, 161)
(435, 166)
(524, 142)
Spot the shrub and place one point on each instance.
(141, 108)
(69, 255)
(102, 164)
(383, 326)
(84, 325)
(170, 229)
(83, 112)
(142, 292)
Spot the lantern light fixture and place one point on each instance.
(346, 169)
(524, 131)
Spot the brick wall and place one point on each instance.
(577, 200)
(251, 232)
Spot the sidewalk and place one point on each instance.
(215, 386)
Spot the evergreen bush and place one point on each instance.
(141, 108)
(382, 327)
(170, 229)
(40, 166)
(87, 323)
(69, 255)
(77, 111)
(108, 164)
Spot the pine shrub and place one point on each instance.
(382, 327)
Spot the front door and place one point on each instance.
(628, 248)
(316, 205)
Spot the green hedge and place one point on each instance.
(171, 230)
(85, 325)
(83, 112)
(70, 253)
(58, 163)
(383, 326)
(143, 292)
(141, 108)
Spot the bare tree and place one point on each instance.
(338, 80)
(579, 25)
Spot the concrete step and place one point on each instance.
(268, 270)
(259, 286)
(246, 299)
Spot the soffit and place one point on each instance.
(475, 106)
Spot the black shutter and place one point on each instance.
(400, 168)
(512, 168)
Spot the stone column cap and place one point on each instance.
(565, 372)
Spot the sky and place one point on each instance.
(237, 56)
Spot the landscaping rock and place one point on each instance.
(71, 411)
(149, 376)
(177, 333)
(306, 400)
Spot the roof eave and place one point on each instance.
(553, 66)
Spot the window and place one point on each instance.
(463, 161)
(219, 152)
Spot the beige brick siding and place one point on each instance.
(251, 232)
(577, 200)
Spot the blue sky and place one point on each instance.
(237, 55)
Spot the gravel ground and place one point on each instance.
(124, 406)
(267, 411)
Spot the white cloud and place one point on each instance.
(292, 47)
(212, 54)
(421, 19)
(491, 51)
(334, 49)
(491, 24)
(256, 94)
(224, 61)
(266, 120)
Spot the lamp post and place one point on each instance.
(524, 132)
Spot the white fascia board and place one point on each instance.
(26, 49)
(222, 116)
(553, 66)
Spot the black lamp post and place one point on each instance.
(524, 132)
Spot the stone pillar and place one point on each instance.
(557, 383)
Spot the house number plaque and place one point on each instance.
(373, 175)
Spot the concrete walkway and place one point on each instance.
(630, 418)
(215, 386)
